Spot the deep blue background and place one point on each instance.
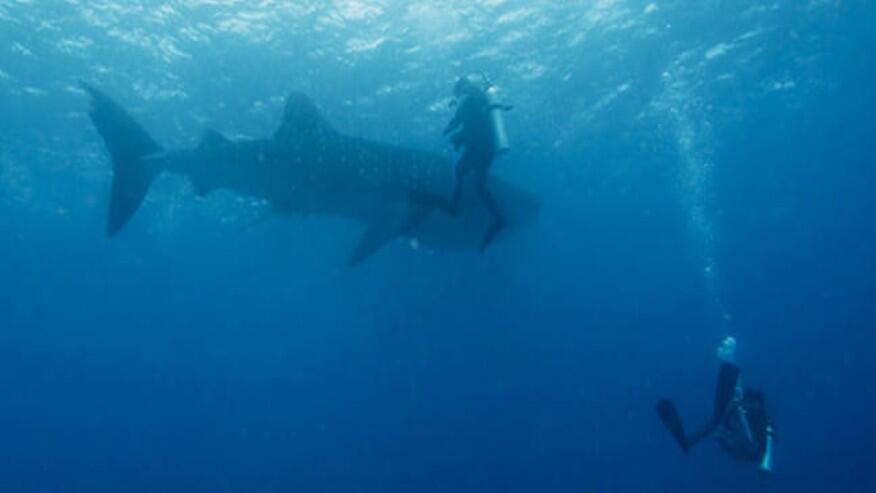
(708, 196)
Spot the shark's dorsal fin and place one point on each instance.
(301, 117)
(212, 139)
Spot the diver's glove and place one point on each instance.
(727, 350)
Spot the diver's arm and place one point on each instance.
(456, 121)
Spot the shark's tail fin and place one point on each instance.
(128, 144)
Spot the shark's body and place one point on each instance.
(305, 167)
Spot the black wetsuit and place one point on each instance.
(475, 137)
(740, 423)
(741, 442)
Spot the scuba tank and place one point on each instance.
(497, 121)
(766, 464)
(494, 108)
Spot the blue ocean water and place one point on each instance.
(703, 169)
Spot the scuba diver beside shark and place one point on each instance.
(308, 167)
(480, 133)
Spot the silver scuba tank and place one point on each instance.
(766, 464)
(497, 121)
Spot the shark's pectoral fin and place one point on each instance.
(393, 222)
(376, 235)
(415, 217)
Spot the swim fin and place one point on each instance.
(725, 390)
(672, 421)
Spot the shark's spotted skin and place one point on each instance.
(305, 167)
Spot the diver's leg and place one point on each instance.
(450, 207)
(466, 164)
(699, 434)
(725, 391)
(489, 201)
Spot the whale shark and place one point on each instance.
(307, 167)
